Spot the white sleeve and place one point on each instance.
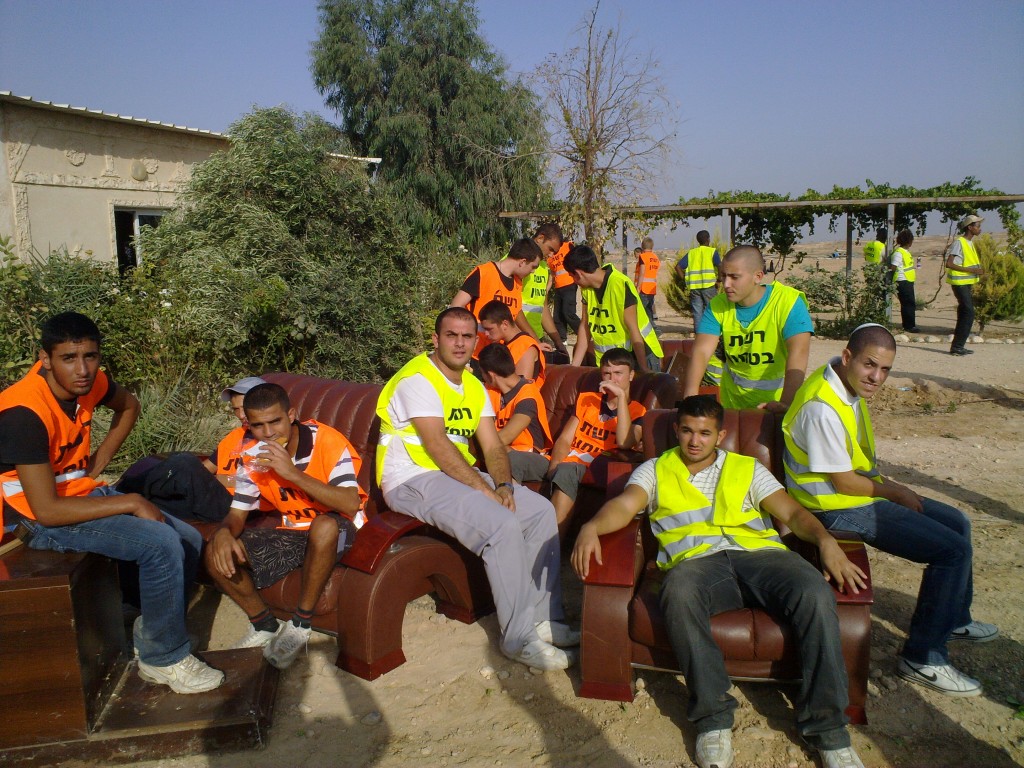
(488, 412)
(897, 258)
(820, 432)
(646, 478)
(957, 252)
(764, 485)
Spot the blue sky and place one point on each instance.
(771, 96)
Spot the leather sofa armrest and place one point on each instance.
(623, 555)
(373, 539)
(857, 553)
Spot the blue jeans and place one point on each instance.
(786, 586)
(939, 537)
(167, 555)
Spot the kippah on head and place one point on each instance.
(870, 335)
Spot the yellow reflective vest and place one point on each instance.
(606, 318)
(873, 251)
(909, 274)
(535, 290)
(970, 260)
(700, 268)
(461, 413)
(814, 490)
(687, 523)
(754, 368)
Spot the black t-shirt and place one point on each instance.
(472, 283)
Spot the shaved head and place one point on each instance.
(746, 255)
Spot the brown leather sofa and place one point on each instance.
(623, 627)
(395, 558)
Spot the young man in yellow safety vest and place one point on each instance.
(429, 411)
(613, 316)
(904, 275)
(699, 268)
(709, 510)
(832, 470)
(963, 270)
(765, 331)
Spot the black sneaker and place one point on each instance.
(961, 352)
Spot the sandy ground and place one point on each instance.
(949, 427)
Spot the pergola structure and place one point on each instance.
(729, 208)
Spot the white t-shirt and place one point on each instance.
(414, 397)
(956, 250)
(763, 485)
(818, 430)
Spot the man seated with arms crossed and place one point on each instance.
(307, 472)
(496, 320)
(606, 420)
(224, 462)
(766, 331)
(831, 469)
(613, 316)
(429, 410)
(520, 416)
(709, 509)
(50, 486)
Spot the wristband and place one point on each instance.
(503, 485)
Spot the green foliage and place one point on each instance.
(417, 85)
(845, 301)
(1000, 293)
(177, 415)
(279, 255)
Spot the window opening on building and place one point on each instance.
(127, 223)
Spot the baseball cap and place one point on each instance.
(972, 219)
(241, 387)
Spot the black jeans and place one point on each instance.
(564, 313)
(908, 306)
(964, 315)
(785, 585)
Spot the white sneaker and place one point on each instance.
(976, 632)
(714, 749)
(941, 677)
(558, 633)
(840, 758)
(190, 675)
(541, 655)
(257, 638)
(289, 640)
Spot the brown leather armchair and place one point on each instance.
(622, 625)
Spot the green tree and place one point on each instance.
(416, 85)
(279, 254)
(1000, 293)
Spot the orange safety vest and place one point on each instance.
(229, 454)
(492, 288)
(593, 435)
(518, 347)
(647, 266)
(70, 441)
(556, 264)
(524, 441)
(296, 507)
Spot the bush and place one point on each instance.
(851, 300)
(999, 295)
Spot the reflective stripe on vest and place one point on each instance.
(873, 251)
(815, 490)
(700, 268)
(754, 367)
(686, 523)
(606, 320)
(649, 264)
(535, 289)
(970, 260)
(461, 413)
(906, 273)
(556, 263)
(69, 438)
